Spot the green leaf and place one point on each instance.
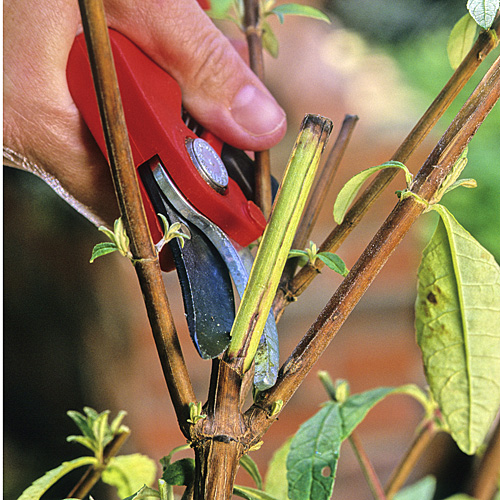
(251, 467)
(101, 429)
(461, 40)
(295, 9)
(41, 485)
(269, 40)
(276, 486)
(84, 441)
(145, 493)
(128, 473)
(313, 456)
(116, 426)
(355, 408)
(457, 318)
(314, 451)
(166, 460)
(102, 249)
(82, 423)
(353, 185)
(483, 11)
(251, 493)
(334, 262)
(180, 473)
(421, 490)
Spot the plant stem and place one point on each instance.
(483, 46)
(253, 33)
(276, 242)
(321, 187)
(131, 208)
(426, 183)
(367, 467)
(488, 475)
(402, 471)
(218, 444)
(93, 474)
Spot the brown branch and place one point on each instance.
(131, 208)
(407, 464)
(218, 441)
(367, 467)
(437, 166)
(253, 33)
(93, 474)
(323, 183)
(483, 46)
(488, 475)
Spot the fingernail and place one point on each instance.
(256, 111)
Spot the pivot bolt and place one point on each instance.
(208, 163)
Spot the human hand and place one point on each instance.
(43, 130)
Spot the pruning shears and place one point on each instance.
(189, 176)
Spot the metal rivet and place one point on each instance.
(208, 163)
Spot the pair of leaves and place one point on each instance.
(309, 256)
(310, 458)
(119, 240)
(457, 317)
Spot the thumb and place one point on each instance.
(219, 90)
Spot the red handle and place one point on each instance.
(152, 104)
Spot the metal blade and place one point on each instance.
(269, 354)
(204, 279)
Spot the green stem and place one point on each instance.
(276, 242)
(323, 183)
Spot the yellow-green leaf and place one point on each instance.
(457, 323)
(353, 185)
(128, 473)
(461, 40)
(276, 472)
(269, 40)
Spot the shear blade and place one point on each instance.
(204, 279)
